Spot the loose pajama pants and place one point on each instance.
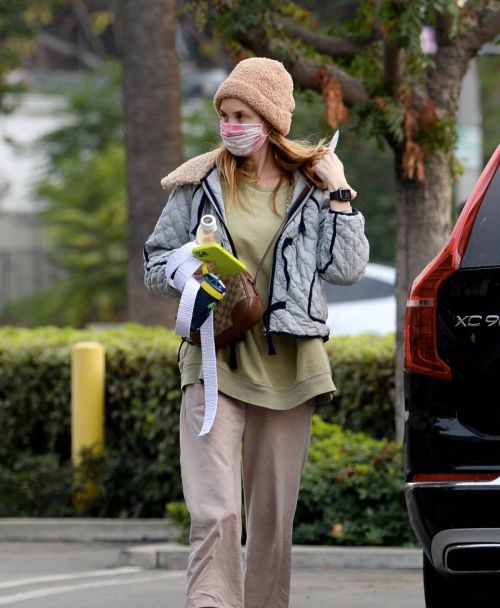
(268, 448)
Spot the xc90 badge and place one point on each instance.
(477, 320)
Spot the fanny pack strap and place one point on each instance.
(292, 209)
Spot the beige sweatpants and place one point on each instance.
(270, 448)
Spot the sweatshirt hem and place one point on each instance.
(259, 394)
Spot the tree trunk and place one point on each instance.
(423, 221)
(423, 212)
(152, 136)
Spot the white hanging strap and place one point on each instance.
(209, 373)
(184, 265)
(186, 307)
(181, 257)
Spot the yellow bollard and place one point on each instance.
(87, 407)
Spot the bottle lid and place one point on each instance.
(208, 223)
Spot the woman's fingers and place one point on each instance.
(198, 275)
(330, 170)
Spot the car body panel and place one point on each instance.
(452, 422)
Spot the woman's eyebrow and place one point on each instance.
(235, 112)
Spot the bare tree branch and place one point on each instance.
(117, 26)
(490, 28)
(443, 30)
(66, 48)
(83, 17)
(305, 71)
(454, 53)
(393, 67)
(327, 45)
(473, 5)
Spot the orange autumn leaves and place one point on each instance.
(414, 153)
(414, 121)
(335, 110)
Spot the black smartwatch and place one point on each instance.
(342, 194)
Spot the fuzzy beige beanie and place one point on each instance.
(264, 85)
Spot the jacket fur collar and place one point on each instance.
(190, 172)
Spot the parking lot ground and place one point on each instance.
(353, 588)
(78, 575)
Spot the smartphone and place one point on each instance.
(225, 263)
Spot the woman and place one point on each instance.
(267, 398)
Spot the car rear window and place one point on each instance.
(483, 247)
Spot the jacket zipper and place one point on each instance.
(286, 243)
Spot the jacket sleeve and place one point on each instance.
(170, 233)
(343, 248)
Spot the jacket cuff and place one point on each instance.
(352, 212)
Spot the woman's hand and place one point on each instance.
(198, 275)
(330, 170)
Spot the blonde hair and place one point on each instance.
(289, 155)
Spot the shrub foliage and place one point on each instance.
(139, 467)
(352, 490)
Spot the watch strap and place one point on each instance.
(343, 195)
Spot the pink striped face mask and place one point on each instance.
(242, 140)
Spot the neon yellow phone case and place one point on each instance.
(225, 263)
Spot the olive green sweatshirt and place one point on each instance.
(300, 369)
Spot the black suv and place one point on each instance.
(452, 401)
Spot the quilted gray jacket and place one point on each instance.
(315, 243)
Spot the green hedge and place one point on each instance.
(140, 465)
(138, 473)
(363, 372)
(352, 490)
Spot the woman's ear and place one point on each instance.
(266, 127)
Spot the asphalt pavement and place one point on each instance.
(83, 574)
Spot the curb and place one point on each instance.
(172, 556)
(85, 529)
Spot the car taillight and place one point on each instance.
(421, 353)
